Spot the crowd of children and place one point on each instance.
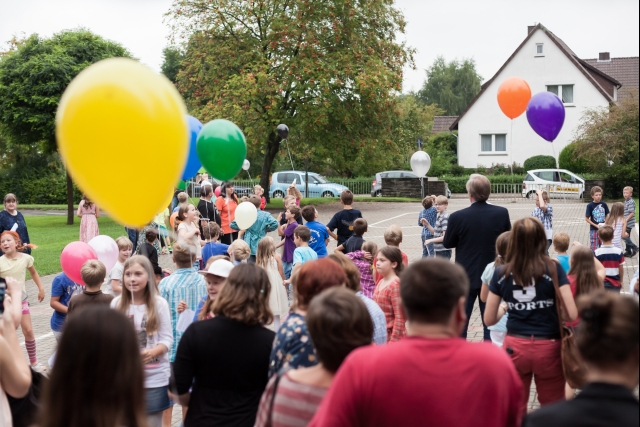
(162, 304)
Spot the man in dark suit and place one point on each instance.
(473, 232)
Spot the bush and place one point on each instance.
(539, 162)
(457, 184)
(568, 159)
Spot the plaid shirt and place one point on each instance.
(430, 215)
(546, 218)
(630, 206)
(185, 285)
(442, 222)
(378, 318)
(366, 278)
(389, 301)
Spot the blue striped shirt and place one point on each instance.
(377, 316)
(185, 285)
(430, 215)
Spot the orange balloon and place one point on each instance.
(513, 96)
(172, 220)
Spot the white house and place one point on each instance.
(486, 136)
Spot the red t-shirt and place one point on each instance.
(424, 382)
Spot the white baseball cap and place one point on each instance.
(219, 267)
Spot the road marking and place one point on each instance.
(41, 337)
(394, 217)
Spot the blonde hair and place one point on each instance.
(286, 199)
(617, 214)
(561, 242)
(583, 267)
(442, 200)
(183, 253)
(240, 249)
(266, 252)
(126, 299)
(628, 188)
(93, 272)
(124, 243)
(183, 197)
(258, 188)
(294, 192)
(372, 248)
(393, 235)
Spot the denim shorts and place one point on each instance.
(157, 399)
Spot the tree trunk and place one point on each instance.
(271, 151)
(70, 212)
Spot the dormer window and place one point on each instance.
(540, 49)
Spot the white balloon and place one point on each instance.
(107, 250)
(246, 165)
(420, 163)
(246, 215)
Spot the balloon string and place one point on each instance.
(289, 152)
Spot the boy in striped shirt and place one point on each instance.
(611, 258)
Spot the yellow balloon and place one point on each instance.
(114, 114)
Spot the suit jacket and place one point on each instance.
(598, 404)
(473, 233)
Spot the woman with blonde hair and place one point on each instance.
(224, 361)
(271, 261)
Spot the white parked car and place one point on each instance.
(559, 183)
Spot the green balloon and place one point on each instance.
(221, 148)
(181, 185)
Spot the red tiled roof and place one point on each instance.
(442, 123)
(625, 70)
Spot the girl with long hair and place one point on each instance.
(387, 294)
(618, 222)
(271, 262)
(363, 259)
(150, 316)
(89, 214)
(189, 231)
(526, 284)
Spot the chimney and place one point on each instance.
(604, 57)
(530, 28)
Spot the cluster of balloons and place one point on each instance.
(75, 254)
(545, 110)
(117, 110)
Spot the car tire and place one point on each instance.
(328, 194)
(379, 193)
(278, 194)
(531, 195)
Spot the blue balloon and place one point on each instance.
(193, 164)
(545, 114)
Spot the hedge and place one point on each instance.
(539, 162)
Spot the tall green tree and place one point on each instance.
(33, 75)
(451, 85)
(328, 69)
(172, 61)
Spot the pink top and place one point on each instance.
(366, 278)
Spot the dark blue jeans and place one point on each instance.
(473, 295)
(629, 243)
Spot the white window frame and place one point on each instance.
(493, 151)
(539, 53)
(560, 85)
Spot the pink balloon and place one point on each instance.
(217, 191)
(73, 256)
(107, 250)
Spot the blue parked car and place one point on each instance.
(318, 185)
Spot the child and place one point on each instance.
(295, 193)
(142, 238)
(617, 221)
(215, 276)
(239, 251)
(287, 231)
(439, 229)
(387, 294)
(211, 232)
(149, 314)
(15, 264)
(344, 219)
(269, 259)
(259, 192)
(354, 243)
(363, 259)
(498, 331)
(114, 279)
(89, 213)
(427, 219)
(183, 198)
(319, 234)
(264, 223)
(288, 202)
(544, 212)
(93, 273)
(148, 250)
(189, 231)
(62, 289)
(612, 259)
(302, 253)
(561, 246)
(162, 219)
(392, 237)
(630, 215)
(597, 213)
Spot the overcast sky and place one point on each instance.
(488, 30)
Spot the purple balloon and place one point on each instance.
(545, 114)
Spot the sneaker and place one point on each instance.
(634, 252)
(40, 368)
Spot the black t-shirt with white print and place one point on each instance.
(532, 309)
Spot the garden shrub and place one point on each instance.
(539, 162)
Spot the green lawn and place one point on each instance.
(52, 234)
